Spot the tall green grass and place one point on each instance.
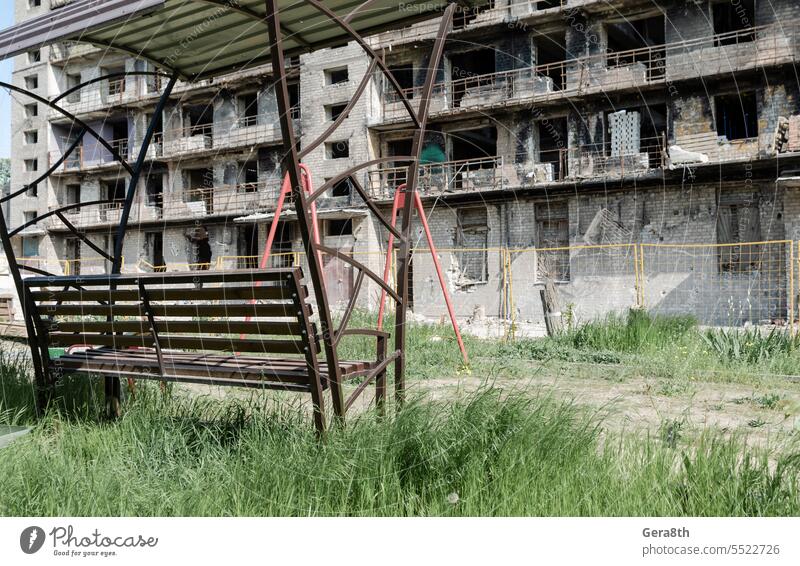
(491, 453)
(635, 331)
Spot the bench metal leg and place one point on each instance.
(113, 395)
(380, 379)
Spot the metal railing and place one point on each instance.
(467, 175)
(611, 70)
(223, 200)
(82, 159)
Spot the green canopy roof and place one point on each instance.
(202, 38)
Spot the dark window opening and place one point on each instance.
(294, 100)
(72, 194)
(739, 223)
(732, 22)
(404, 75)
(472, 233)
(475, 154)
(248, 176)
(248, 246)
(470, 70)
(637, 42)
(553, 145)
(115, 191)
(73, 80)
(154, 186)
(652, 127)
(343, 188)
(119, 138)
(476, 145)
(72, 256)
(398, 170)
(342, 227)
(335, 110)
(282, 255)
(154, 242)
(248, 109)
(552, 237)
(199, 120)
(736, 116)
(201, 249)
(338, 150)
(200, 188)
(337, 76)
(550, 56)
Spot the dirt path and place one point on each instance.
(767, 415)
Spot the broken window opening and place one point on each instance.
(248, 109)
(739, 223)
(551, 53)
(552, 148)
(248, 250)
(475, 155)
(736, 116)
(552, 241)
(732, 22)
(472, 235)
(471, 71)
(154, 251)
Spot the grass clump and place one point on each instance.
(635, 331)
(490, 453)
(749, 346)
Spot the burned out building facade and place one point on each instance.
(631, 153)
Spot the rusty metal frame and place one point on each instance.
(292, 156)
(34, 326)
(329, 335)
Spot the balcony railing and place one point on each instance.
(468, 175)
(635, 68)
(82, 159)
(205, 138)
(224, 200)
(491, 12)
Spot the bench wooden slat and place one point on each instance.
(288, 328)
(162, 310)
(222, 360)
(148, 364)
(168, 294)
(275, 274)
(179, 342)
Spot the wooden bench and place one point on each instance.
(247, 329)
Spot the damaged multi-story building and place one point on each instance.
(630, 153)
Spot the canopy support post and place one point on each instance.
(291, 166)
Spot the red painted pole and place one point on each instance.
(445, 292)
(399, 200)
(399, 197)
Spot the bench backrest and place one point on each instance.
(258, 311)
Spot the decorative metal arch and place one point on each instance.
(291, 164)
(291, 161)
(44, 381)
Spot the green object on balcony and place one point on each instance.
(432, 153)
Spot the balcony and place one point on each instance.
(493, 12)
(225, 200)
(472, 175)
(85, 158)
(610, 71)
(496, 173)
(209, 138)
(195, 140)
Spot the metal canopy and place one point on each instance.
(202, 38)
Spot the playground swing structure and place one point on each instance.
(161, 325)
